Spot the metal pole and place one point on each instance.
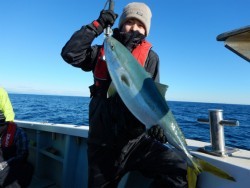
(217, 139)
(217, 131)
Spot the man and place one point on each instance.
(14, 169)
(117, 141)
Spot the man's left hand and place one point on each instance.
(157, 133)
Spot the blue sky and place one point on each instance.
(183, 33)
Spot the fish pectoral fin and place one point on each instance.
(205, 166)
(111, 90)
(125, 80)
(192, 177)
(162, 88)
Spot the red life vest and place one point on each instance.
(101, 71)
(8, 137)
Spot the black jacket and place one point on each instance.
(110, 121)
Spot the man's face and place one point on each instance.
(133, 25)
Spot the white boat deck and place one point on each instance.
(237, 165)
(66, 164)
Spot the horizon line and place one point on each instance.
(72, 95)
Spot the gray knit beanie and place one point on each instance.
(139, 11)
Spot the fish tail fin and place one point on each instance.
(205, 166)
(199, 166)
(192, 177)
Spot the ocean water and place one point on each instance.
(74, 110)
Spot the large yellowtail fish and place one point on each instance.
(145, 100)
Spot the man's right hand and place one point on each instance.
(107, 18)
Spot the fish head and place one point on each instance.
(115, 50)
(131, 81)
(121, 70)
